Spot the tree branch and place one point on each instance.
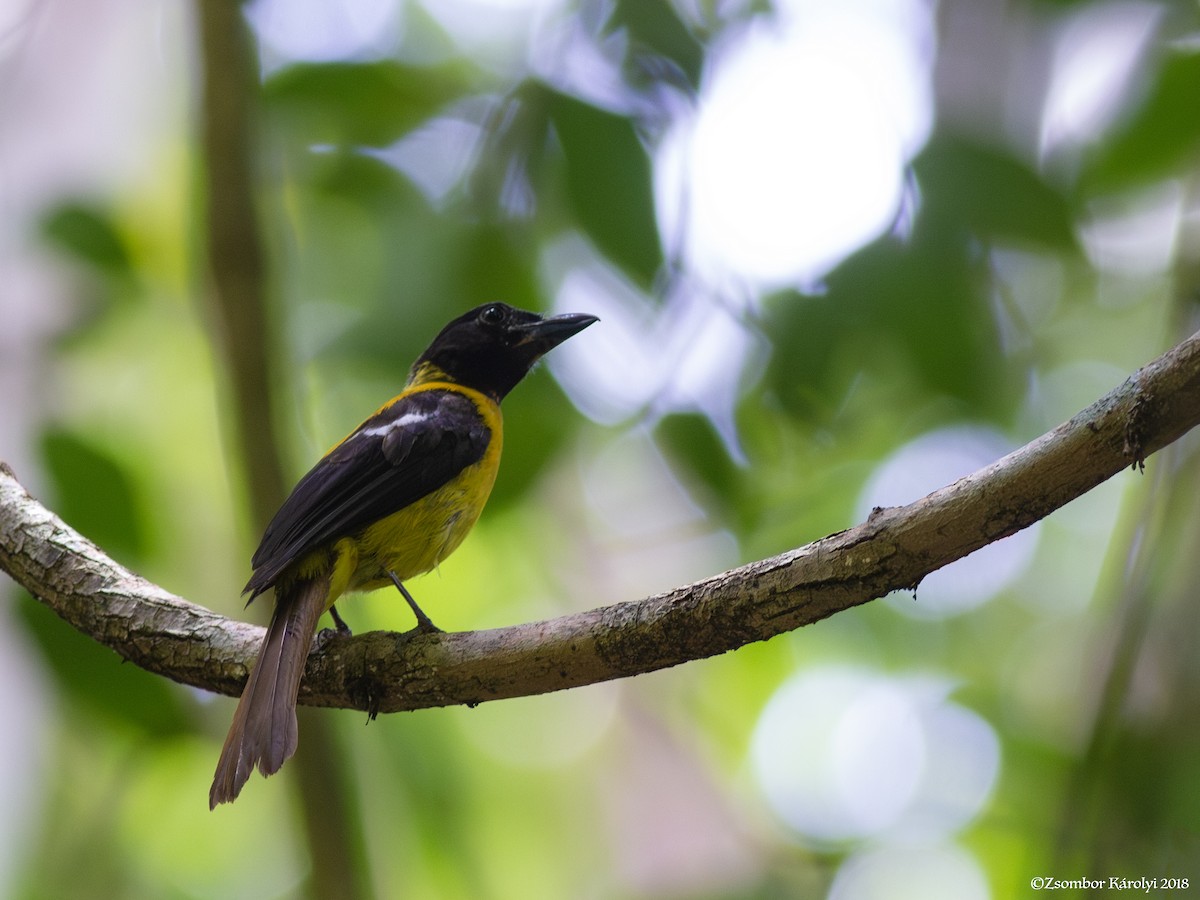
(385, 672)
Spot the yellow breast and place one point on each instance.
(418, 537)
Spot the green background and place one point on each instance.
(987, 310)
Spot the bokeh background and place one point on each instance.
(842, 253)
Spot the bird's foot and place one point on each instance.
(325, 635)
(424, 623)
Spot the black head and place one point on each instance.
(494, 346)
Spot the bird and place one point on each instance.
(388, 502)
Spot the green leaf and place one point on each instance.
(917, 309)
(610, 184)
(992, 195)
(371, 104)
(89, 234)
(1160, 139)
(692, 441)
(94, 493)
(655, 29)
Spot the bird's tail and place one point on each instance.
(264, 731)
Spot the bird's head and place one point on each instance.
(494, 346)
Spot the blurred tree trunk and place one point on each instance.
(243, 339)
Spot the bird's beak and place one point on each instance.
(543, 336)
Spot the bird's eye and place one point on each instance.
(492, 315)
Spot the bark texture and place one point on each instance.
(385, 672)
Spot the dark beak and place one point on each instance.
(544, 336)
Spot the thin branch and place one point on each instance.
(384, 672)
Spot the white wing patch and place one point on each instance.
(410, 418)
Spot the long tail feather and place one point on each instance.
(264, 732)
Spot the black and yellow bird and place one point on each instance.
(389, 502)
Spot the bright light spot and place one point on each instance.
(713, 355)
(324, 30)
(653, 534)
(564, 53)
(436, 156)
(618, 369)
(796, 157)
(945, 872)
(16, 21)
(1135, 234)
(960, 772)
(876, 788)
(932, 461)
(1097, 52)
(690, 354)
(635, 493)
(843, 753)
(479, 24)
(1033, 286)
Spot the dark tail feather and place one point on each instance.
(263, 732)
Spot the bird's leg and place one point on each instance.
(342, 627)
(424, 625)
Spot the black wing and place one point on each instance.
(411, 447)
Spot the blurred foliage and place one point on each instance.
(609, 183)
(992, 196)
(359, 104)
(1160, 138)
(661, 43)
(88, 234)
(984, 305)
(95, 492)
(94, 682)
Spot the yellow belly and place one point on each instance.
(417, 538)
